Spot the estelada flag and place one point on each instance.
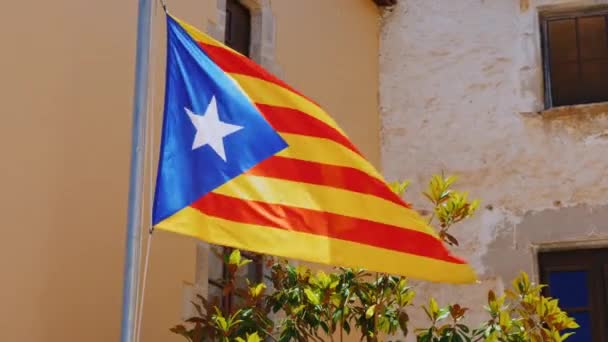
(248, 162)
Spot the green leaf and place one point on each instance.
(257, 290)
(445, 338)
(254, 337)
(463, 328)
(346, 327)
(235, 257)
(399, 187)
(433, 307)
(312, 296)
(369, 313)
(450, 180)
(565, 336)
(221, 323)
(573, 325)
(456, 338)
(323, 279)
(425, 336)
(336, 299)
(443, 313)
(466, 338)
(383, 324)
(324, 326)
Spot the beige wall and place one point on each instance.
(329, 51)
(461, 92)
(66, 89)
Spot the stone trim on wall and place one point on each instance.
(530, 60)
(263, 41)
(262, 50)
(591, 241)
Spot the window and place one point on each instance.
(575, 53)
(579, 280)
(218, 271)
(238, 26)
(238, 37)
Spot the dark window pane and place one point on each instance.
(577, 51)
(562, 41)
(238, 26)
(570, 287)
(565, 83)
(251, 272)
(592, 37)
(594, 81)
(582, 334)
(579, 277)
(218, 272)
(215, 292)
(216, 264)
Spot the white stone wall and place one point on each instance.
(461, 91)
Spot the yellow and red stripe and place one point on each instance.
(319, 199)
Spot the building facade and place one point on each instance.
(510, 96)
(67, 85)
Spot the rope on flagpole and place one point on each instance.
(150, 149)
(136, 175)
(151, 128)
(140, 310)
(164, 5)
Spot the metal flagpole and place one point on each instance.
(136, 179)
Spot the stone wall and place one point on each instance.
(462, 92)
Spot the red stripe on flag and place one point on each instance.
(231, 62)
(293, 121)
(324, 224)
(322, 174)
(282, 119)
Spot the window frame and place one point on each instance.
(228, 32)
(227, 302)
(595, 262)
(544, 19)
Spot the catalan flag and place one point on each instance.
(248, 162)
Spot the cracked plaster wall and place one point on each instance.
(461, 91)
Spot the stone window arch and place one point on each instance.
(262, 51)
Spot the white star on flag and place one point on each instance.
(210, 130)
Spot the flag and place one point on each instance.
(248, 162)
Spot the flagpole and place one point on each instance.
(136, 178)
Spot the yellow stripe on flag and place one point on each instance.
(308, 148)
(325, 199)
(267, 93)
(299, 245)
(198, 36)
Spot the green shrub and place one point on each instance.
(306, 306)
